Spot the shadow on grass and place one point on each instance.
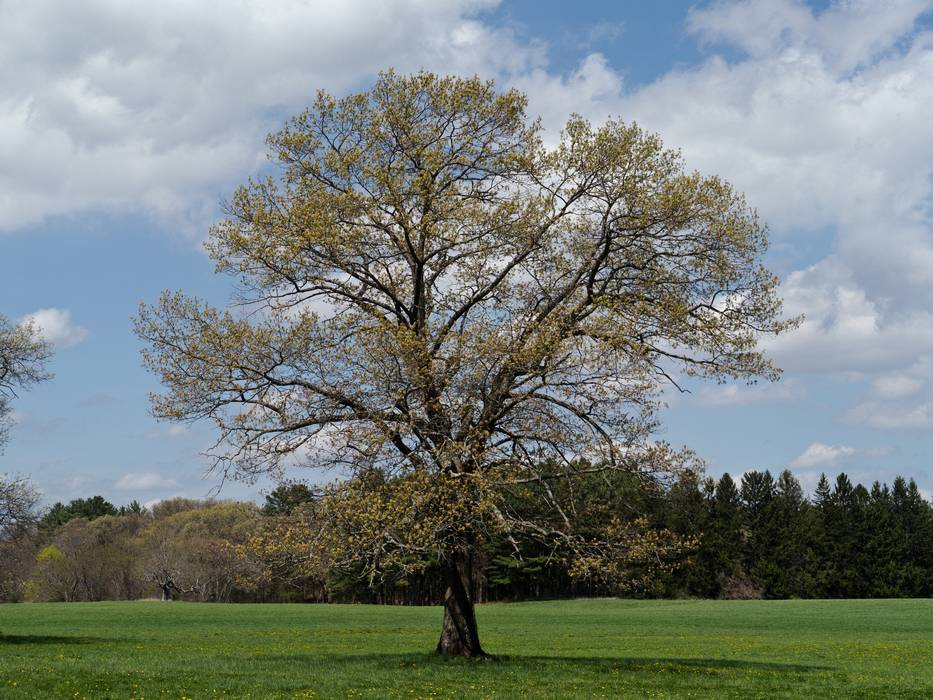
(563, 663)
(46, 639)
(627, 663)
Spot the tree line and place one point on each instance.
(760, 537)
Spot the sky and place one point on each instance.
(124, 125)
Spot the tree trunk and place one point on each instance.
(459, 634)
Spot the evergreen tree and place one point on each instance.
(757, 494)
(840, 518)
(823, 564)
(788, 573)
(284, 497)
(910, 523)
(87, 508)
(884, 546)
(725, 536)
(687, 514)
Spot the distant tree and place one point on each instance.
(687, 513)
(448, 303)
(822, 494)
(133, 507)
(86, 508)
(788, 520)
(18, 513)
(727, 540)
(194, 553)
(842, 521)
(180, 504)
(56, 516)
(18, 502)
(910, 522)
(18, 557)
(885, 546)
(91, 508)
(757, 495)
(23, 359)
(90, 560)
(284, 497)
(52, 578)
(709, 554)
(685, 502)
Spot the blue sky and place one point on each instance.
(123, 126)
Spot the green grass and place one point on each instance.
(584, 648)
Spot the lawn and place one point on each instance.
(561, 649)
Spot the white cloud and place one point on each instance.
(158, 106)
(844, 329)
(896, 385)
(593, 89)
(821, 455)
(848, 34)
(56, 327)
(593, 34)
(143, 481)
(893, 415)
(812, 143)
(898, 400)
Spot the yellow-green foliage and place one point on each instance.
(432, 296)
(49, 554)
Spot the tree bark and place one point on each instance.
(459, 634)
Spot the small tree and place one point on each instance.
(18, 514)
(23, 358)
(439, 305)
(18, 502)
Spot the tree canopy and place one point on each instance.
(446, 310)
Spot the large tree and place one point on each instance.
(445, 309)
(23, 358)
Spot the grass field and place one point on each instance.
(585, 649)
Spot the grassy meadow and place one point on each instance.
(560, 649)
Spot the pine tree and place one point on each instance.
(757, 493)
(840, 517)
(725, 535)
(792, 549)
(687, 514)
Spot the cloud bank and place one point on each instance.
(820, 117)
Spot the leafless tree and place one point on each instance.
(18, 503)
(23, 358)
